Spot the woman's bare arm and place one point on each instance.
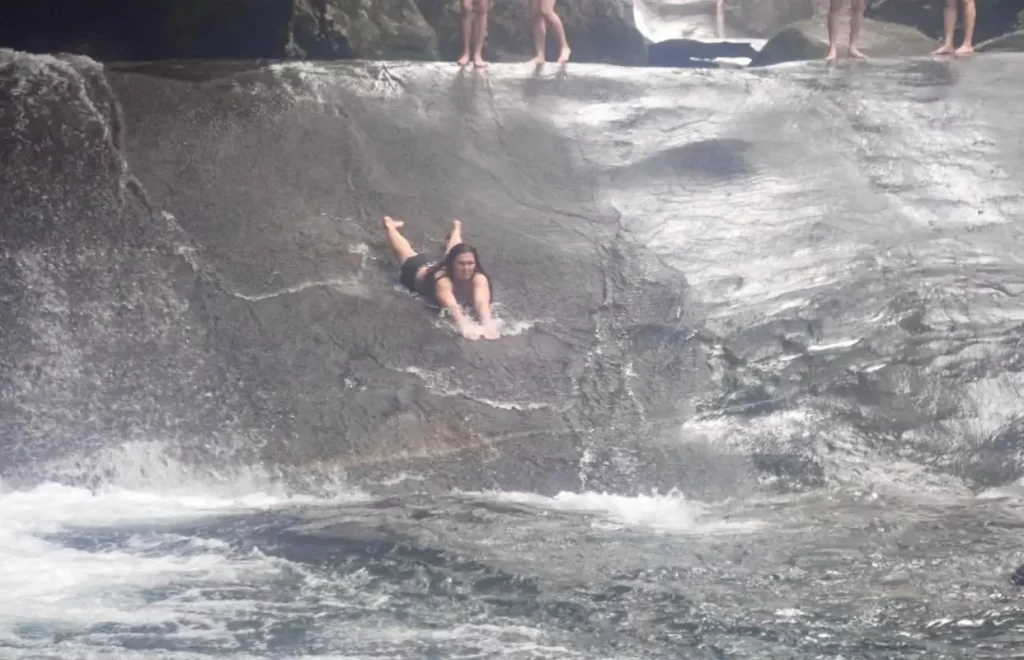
(482, 303)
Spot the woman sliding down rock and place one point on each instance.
(459, 280)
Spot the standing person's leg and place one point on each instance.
(970, 15)
(540, 30)
(833, 27)
(548, 11)
(481, 33)
(857, 8)
(949, 22)
(466, 18)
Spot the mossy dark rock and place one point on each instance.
(764, 18)
(808, 40)
(384, 29)
(222, 28)
(1008, 43)
(597, 30)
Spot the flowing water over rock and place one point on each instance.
(758, 393)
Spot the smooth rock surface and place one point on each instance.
(711, 280)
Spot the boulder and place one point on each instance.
(1008, 43)
(764, 18)
(597, 30)
(808, 40)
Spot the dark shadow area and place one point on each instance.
(160, 29)
(705, 159)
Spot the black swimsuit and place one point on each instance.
(411, 266)
(407, 278)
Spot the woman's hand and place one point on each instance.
(471, 331)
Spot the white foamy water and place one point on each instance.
(665, 513)
(102, 566)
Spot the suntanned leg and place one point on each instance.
(466, 16)
(454, 236)
(949, 22)
(540, 31)
(833, 27)
(401, 247)
(857, 8)
(970, 14)
(548, 11)
(481, 33)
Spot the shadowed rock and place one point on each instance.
(808, 40)
(1008, 43)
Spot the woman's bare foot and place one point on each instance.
(966, 49)
(479, 62)
(855, 53)
(944, 49)
(536, 60)
(832, 54)
(464, 60)
(563, 56)
(389, 223)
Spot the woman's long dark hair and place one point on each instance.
(448, 264)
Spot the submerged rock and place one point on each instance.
(808, 40)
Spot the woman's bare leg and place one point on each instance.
(548, 11)
(833, 27)
(466, 18)
(540, 32)
(970, 14)
(399, 245)
(949, 20)
(481, 33)
(454, 236)
(857, 8)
